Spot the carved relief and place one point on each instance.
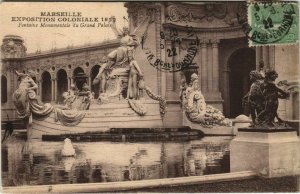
(187, 14)
(219, 13)
(183, 15)
(140, 12)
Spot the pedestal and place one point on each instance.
(269, 153)
(241, 121)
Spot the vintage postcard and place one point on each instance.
(198, 96)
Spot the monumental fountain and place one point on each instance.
(125, 101)
(267, 147)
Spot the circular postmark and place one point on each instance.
(172, 36)
(269, 23)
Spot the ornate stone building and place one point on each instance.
(223, 58)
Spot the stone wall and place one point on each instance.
(287, 66)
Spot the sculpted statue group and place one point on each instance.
(120, 76)
(262, 99)
(118, 62)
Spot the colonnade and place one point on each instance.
(209, 68)
(207, 60)
(52, 91)
(54, 87)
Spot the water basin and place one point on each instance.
(39, 162)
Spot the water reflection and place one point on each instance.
(37, 162)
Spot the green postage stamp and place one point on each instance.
(273, 23)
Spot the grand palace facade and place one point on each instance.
(223, 59)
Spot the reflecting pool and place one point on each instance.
(40, 162)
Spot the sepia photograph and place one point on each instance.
(150, 97)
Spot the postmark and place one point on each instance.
(173, 36)
(270, 23)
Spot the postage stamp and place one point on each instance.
(273, 23)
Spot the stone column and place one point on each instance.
(203, 45)
(9, 86)
(215, 58)
(271, 57)
(199, 63)
(169, 75)
(69, 83)
(258, 50)
(225, 84)
(216, 73)
(265, 55)
(210, 69)
(52, 90)
(177, 77)
(163, 74)
(55, 89)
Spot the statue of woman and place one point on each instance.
(135, 74)
(195, 100)
(197, 109)
(118, 57)
(25, 98)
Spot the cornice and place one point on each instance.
(71, 50)
(197, 29)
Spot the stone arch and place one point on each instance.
(239, 65)
(79, 77)
(62, 84)
(46, 87)
(3, 89)
(93, 74)
(78, 69)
